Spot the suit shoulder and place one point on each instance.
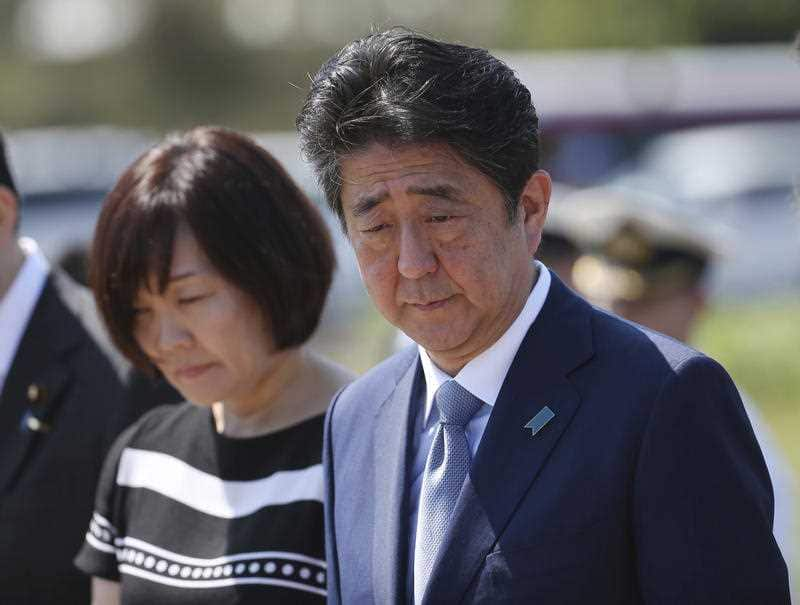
(627, 340)
(78, 301)
(371, 389)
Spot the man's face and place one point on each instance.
(435, 247)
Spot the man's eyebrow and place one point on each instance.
(444, 191)
(368, 202)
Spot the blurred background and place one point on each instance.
(688, 109)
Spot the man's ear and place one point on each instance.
(9, 211)
(533, 204)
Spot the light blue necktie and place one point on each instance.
(445, 471)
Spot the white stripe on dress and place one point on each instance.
(101, 546)
(102, 521)
(206, 493)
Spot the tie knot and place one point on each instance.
(456, 404)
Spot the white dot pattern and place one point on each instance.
(313, 575)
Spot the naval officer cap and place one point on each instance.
(638, 246)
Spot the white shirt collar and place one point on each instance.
(17, 305)
(484, 375)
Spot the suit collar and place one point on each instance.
(19, 301)
(509, 459)
(393, 429)
(37, 380)
(484, 375)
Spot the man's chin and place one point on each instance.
(437, 343)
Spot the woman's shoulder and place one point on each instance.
(331, 370)
(322, 379)
(166, 423)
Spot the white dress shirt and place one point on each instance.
(17, 305)
(483, 376)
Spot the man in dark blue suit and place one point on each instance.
(530, 448)
(65, 394)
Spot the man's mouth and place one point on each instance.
(432, 305)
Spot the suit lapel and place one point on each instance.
(393, 431)
(36, 383)
(509, 458)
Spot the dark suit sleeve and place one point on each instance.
(703, 501)
(334, 597)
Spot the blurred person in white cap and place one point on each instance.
(65, 393)
(649, 261)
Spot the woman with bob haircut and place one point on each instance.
(210, 266)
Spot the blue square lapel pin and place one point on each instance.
(538, 422)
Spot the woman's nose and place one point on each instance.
(171, 334)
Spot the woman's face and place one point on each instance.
(207, 337)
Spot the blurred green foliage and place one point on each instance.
(759, 345)
(647, 23)
(186, 68)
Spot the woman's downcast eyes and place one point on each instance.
(183, 301)
(187, 300)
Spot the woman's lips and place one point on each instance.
(191, 372)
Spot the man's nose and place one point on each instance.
(416, 257)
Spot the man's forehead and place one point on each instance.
(368, 172)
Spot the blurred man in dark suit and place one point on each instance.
(65, 393)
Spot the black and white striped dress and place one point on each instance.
(186, 515)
